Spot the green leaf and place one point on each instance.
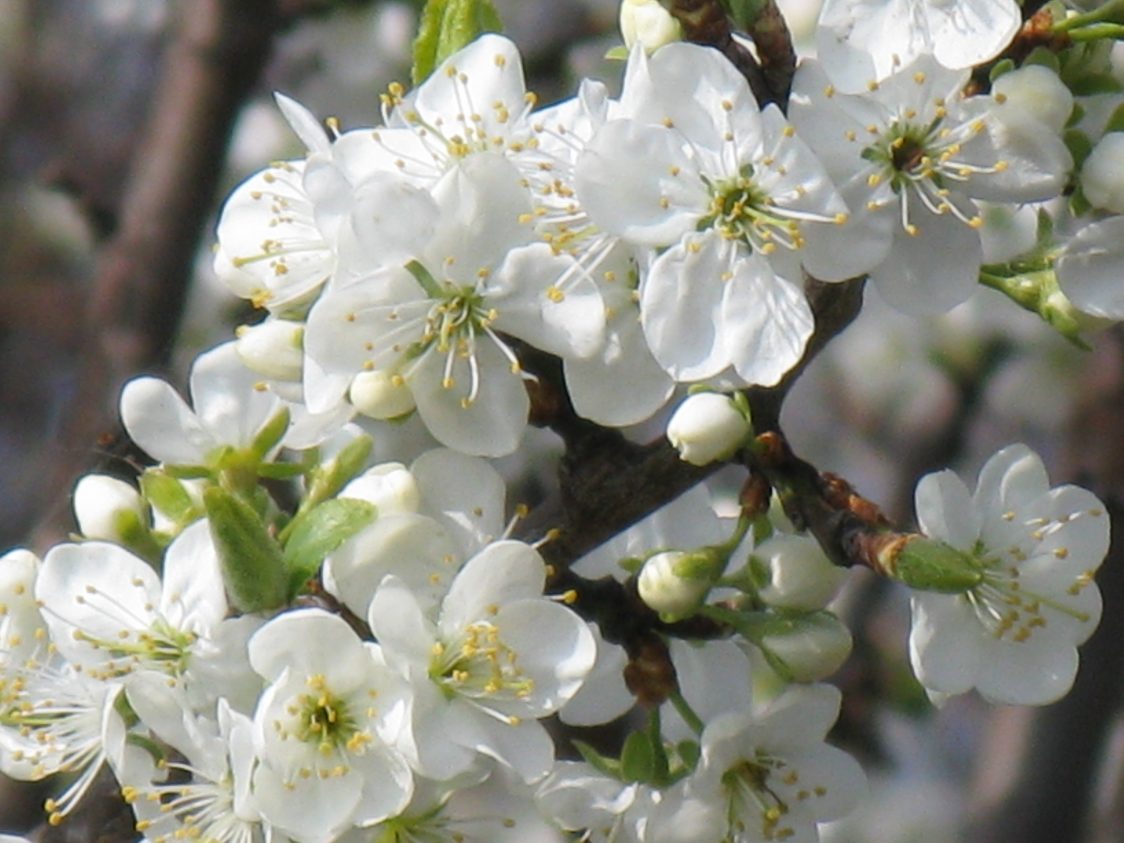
(638, 758)
(320, 531)
(446, 26)
(253, 568)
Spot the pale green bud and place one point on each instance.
(675, 582)
(389, 486)
(273, 348)
(1037, 91)
(706, 427)
(796, 572)
(805, 648)
(380, 395)
(648, 23)
(109, 509)
(1102, 174)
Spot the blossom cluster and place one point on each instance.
(298, 624)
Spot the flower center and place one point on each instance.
(323, 719)
(741, 210)
(479, 665)
(766, 787)
(925, 162)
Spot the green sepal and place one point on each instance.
(1038, 291)
(189, 472)
(603, 764)
(689, 753)
(253, 568)
(631, 564)
(167, 496)
(999, 68)
(1116, 121)
(617, 53)
(134, 535)
(1079, 146)
(318, 532)
(446, 26)
(270, 434)
(1045, 57)
(281, 470)
(1091, 84)
(638, 758)
(929, 565)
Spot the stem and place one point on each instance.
(1097, 31)
(683, 708)
(655, 738)
(1102, 13)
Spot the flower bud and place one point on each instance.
(109, 509)
(380, 395)
(796, 573)
(806, 648)
(272, 348)
(389, 486)
(1102, 174)
(708, 426)
(648, 23)
(1037, 91)
(675, 582)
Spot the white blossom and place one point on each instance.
(1013, 636)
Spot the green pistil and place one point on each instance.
(480, 665)
(905, 152)
(739, 210)
(456, 317)
(324, 719)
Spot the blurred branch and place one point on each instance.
(1053, 795)
(136, 297)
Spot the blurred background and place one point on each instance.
(123, 123)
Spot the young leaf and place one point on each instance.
(446, 26)
(252, 566)
(320, 531)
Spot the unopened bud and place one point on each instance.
(796, 573)
(380, 395)
(109, 509)
(389, 486)
(805, 648)
(1102, 174)
(675, 582)
(1037, 91)
(273, 348)
(708, 426)
(648, 23)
